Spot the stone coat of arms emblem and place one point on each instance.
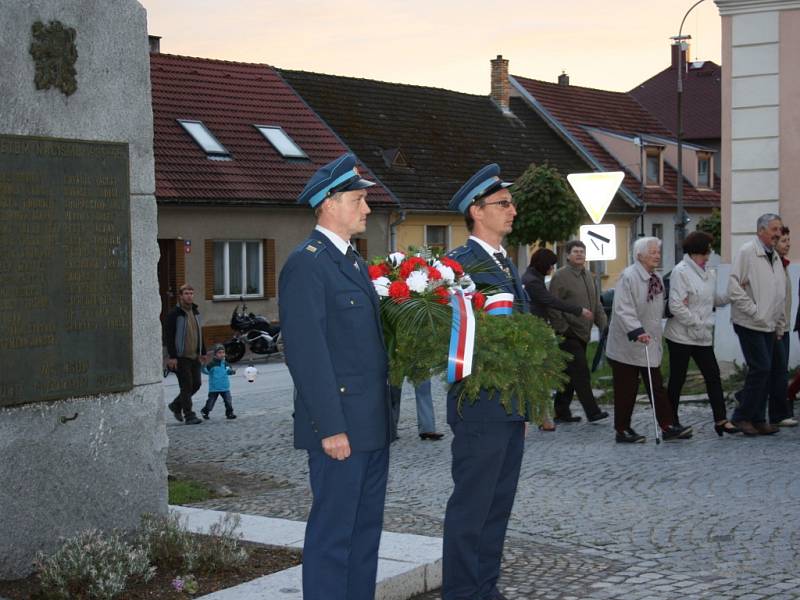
(54, 52)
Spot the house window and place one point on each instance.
(238, 269)
(653, 167)
(704, 171)
(658, 232)
(205, 139)
(436, 238)
(281, 141)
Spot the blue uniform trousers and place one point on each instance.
(486, 462)
(340, 553)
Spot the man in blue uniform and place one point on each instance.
(487, 443)
(334, 348)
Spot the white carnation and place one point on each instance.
(466, 284)
(447, 273)
(417, 281)
(396, 258)
(382, 286)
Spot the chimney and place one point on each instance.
(563, 79)
(501, 88)
(674, 49)
(155, 44)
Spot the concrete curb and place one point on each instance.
(407, 564)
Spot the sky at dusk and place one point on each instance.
(613, 45)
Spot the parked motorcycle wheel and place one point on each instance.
(234, 351)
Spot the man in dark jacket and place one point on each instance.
(183, 337)
(331, 326)
(574, 284)
(488, 443)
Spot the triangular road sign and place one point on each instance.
(596, 190)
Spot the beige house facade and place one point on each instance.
(760, 116)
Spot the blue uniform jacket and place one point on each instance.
(333, 344)
(485, 273)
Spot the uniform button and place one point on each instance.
(341, 389)
(352, 301)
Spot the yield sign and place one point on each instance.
(596, 190)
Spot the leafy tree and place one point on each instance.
(547, 208)
(712, 225)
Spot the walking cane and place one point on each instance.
(652, 397)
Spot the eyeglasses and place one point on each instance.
(505, 204)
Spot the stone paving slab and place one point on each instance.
(407, 564)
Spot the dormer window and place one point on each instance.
(281, 141)
(653, 167)
(704, 170)
(205, 139)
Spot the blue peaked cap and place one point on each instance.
(339, 175)
(486, 181)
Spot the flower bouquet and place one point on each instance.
(431, 311)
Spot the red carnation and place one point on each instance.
(433, 274)
(399, 292)
(444, 295)
(385, 269)
(453, 264)
(411, 264)
(375, 271)
(478, 300)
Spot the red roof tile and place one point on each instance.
(576, 108)
(230, 98)
(702, 100)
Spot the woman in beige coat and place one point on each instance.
(690, 330)
(636, 326)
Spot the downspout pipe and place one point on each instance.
(393, 230)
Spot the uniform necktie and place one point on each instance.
(352, 255)
(504, 264)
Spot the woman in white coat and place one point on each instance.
(690, 331)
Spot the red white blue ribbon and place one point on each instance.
(499, 304)
(462, 338)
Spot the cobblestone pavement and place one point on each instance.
(704, 518)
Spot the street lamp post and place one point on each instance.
(680, 217)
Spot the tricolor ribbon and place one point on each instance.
(462, 338)
(499, 304)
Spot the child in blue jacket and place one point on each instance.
(218, 383)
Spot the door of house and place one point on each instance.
(167, 275)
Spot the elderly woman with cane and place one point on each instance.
(690, 331)
(634, 344)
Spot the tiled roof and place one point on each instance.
(443, 136)
(230, 98)
(702, 100)
(576, 108)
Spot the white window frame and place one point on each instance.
(658, 154)
(446, 235)
(708, 158)
(227, 295)
(215, 149)
(263, 129)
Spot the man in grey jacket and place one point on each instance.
(757, 289)
(573, 284)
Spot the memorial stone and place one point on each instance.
(82, 427)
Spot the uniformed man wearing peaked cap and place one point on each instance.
(334, 348)
(485, 473)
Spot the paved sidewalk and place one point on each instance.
(704, 518)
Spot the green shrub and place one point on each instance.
(92, 565)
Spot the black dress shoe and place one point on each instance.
(193, 420)
(569, 419)
(597, 416)
(431, 435)
(629, 436)
(176, 412)
(677, 432)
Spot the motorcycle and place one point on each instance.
(253, 332)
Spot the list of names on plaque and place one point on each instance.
(65, 274)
